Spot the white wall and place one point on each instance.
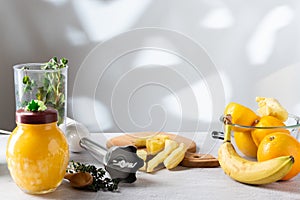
(253, 44)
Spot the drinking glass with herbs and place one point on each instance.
(45, 82)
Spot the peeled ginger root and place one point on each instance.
(143, 155)
(270, 106)
(170, 145)
(175, 157)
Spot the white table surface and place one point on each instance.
(182, 183)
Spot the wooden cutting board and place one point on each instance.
(199, 160)
(128, 139)
(191, 158)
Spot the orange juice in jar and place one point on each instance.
(37, 151)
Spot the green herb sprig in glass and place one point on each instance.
(52, 92)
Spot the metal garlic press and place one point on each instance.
(120, 162)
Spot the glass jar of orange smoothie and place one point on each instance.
(37, 151)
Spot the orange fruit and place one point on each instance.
(240, 115)
(266, 121)
(280, 144)
(245, 143)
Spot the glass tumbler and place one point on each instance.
(47, 85)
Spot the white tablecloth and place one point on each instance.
(181, 183)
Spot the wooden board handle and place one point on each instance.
(199, 160)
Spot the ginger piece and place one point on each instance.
(175, 157)
(170, 145)
(272, 107)
(156, 143)
(140, 142)
(143, 155)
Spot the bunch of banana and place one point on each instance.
(251, 172)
